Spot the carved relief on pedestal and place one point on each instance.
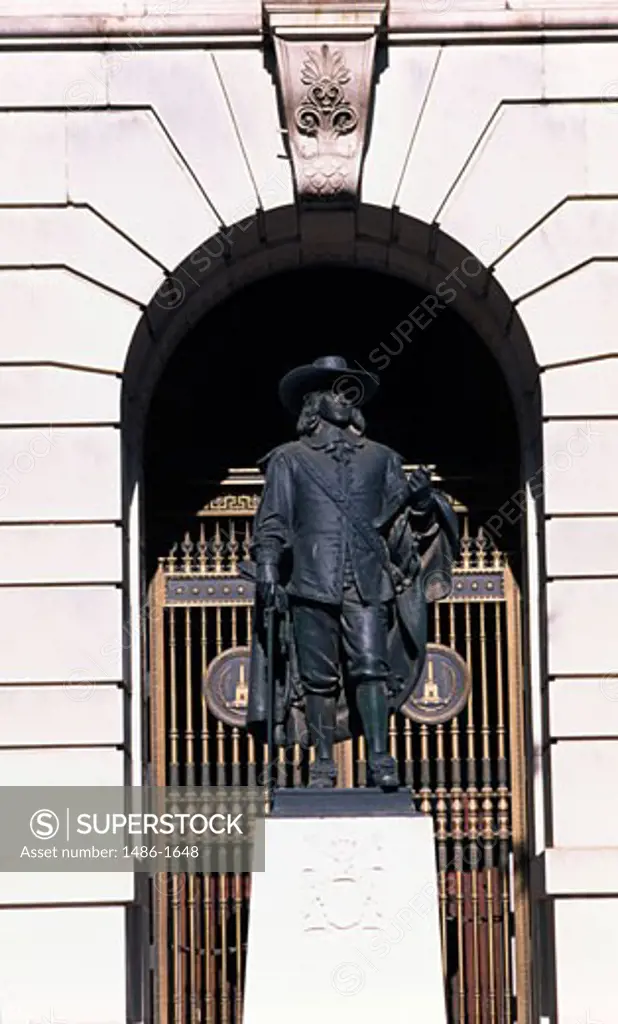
(326, 87)
(341, 885)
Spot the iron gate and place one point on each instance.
(467, 773)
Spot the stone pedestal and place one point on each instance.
(344, 921)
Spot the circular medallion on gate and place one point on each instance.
(226, 685)
(442, 690)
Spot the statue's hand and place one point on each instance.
(419, 483)
(266, 580)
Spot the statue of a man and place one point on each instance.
(349, 550)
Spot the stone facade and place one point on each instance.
(131, 148)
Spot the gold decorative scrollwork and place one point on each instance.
(232, 504)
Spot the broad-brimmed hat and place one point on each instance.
(325, 373)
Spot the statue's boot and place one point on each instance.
(373, 709)
(321, 718)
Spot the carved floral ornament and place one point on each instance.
(325, 115)
(326, 90)
(325, 110)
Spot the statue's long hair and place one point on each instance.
(310, 417)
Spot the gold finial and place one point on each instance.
(171, 558)
(466, 544)
(233, 549)
(246, 544)
(187, 551)
(202, 550)
(218, 549)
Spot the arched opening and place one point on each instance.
(443, 401)
(460, 392)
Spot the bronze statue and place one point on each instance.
(348, 553)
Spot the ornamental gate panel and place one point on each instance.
(468, 773)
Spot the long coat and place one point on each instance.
(307, 534)
(298, 519)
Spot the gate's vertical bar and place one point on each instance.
(192, 909)
(487, 812)
(458, 835)
(224, 994)
(234, 626)
(209, 974)
(158, 761)
(189, 730)
(280, 755)
(204, 734)
(362, 762)
(209, 942)
(473, 823)
(441, 837)
(218, 630)
(251, 775)
(183, 912)
(221, 762)
(173, 733)
(518, 798)
(457, 819)
(236, 781)
(174, 779)
(392, 738)
(425, 791)
(238, 941)
(266, 769)
(343, 761)
(223, 931)
(503, 822)
(441, 813)
(409, 756)
(177, 942)
(235, 729)
(392, 735)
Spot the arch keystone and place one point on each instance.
(326, 71)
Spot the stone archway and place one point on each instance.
(283, 240)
